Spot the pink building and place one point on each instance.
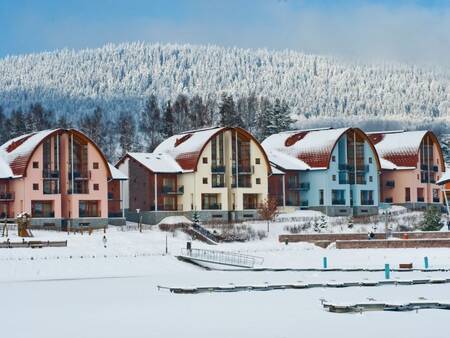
(60, 177)
(412, 163)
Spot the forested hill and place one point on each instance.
(121, 77)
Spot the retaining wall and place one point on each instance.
(394, 244)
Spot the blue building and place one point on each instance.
(335, 171)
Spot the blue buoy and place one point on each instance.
(387, 271)
(325, 263)
(425, 262)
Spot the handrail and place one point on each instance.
(222, 257)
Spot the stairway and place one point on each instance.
(196, 231)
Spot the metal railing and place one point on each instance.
(223, 257)
(218, 169)
(6, 196)
(171, 190)
(50, 174)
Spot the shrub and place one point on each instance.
(432, 219)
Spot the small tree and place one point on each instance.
(268, 210)
(432, 219)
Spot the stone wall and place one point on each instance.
(394, 244)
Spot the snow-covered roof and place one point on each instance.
(186, 147)
(16, 151)
(275, 170)
(158, 162)
(445, 177)
(5, 169)
(302, 150)
(116, 174)
(398, 149)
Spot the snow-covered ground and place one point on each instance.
(85, 290)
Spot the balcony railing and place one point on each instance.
(420, 199)
(218, 184)
(244, 170)
(115, 214)
(50, 174)
(213, 206)
(168, 207)
(6, 196)
(390, 184)
(298, 186)
(292, 203)
(348, 167)
(50, 190)
(50, 214)
(79, 175)
(304, 203)
(338, 202)
(218, 169)
(367, 202)
(344, 167)
(252, 206)
(170, 190)
(344, 181)
(436, 200)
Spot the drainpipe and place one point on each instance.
(284, 190)
(121, 199)
(156, 192)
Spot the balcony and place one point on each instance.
(338, 202)
(390, 184)
(367, 202)
(115, 214)
(170, 190)
(42, 214)
(79, 175)
(6, 196)
(344, 180)
(218, 169)
(420, 199)
(218, 184)
(344, 167)
(290, 203)
(168, 207)
(304, 186)
(50, 174)
(244, 170)
(213, 206)
(252, 206)
(436, 200)
(361, 181)
(50, 190)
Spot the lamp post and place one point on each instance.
(139, 219)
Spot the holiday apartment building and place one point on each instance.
(221, 173)
(60, 177)
(335, 171)
(411, 163)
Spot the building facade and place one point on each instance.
(412, 162)
(59, 177)
(335, 171)
(221, 173)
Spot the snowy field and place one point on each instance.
(85, 290)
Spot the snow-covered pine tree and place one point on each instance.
(94, 126)
(167, 128)
(150, 123)
(126, 131)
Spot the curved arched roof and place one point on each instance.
(18, 152)
(400, 149)
(186, 148)
(307, 149)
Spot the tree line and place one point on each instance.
(144, 130)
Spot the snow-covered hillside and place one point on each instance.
(121, 77)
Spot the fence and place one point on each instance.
(222, 257)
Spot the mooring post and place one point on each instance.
(387, 271)
(325, 263)
(425, 262)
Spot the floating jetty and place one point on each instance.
(295, 286)
(381, 306)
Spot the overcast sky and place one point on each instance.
(411, 31)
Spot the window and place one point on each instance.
(436, 198)
(95, 165)
(370, 179)
(370, 159)
(35, 165)
(338, 197)
(35, 186)
(205, 180)
(258, 180)
(366, 197)
(211, 202)
(205, 160)
(218, 181)
(333, 158)
(407, 194)
(89, 209)
(257, 160)
(40, 209)
(420, 197)
(96, 186)
(334, 177)
(321, 202)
